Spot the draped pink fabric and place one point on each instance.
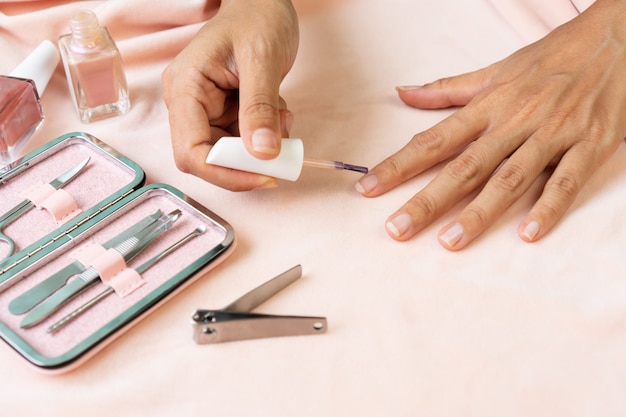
(533, 19)
(502, 328)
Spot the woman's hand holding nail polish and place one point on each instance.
(556, 103)
(226, 83)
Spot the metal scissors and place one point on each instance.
(26, 205)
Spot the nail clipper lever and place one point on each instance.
(236, 322)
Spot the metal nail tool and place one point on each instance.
(35, 295)
(140, 270)
(26, 205)
(13, 172)
(236, 322)
(129, 249)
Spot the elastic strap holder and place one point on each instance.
(111, 267)
(59, 203)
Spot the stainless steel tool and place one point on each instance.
(129, 249)
(26, 205)
(236, 322)
(35, 295)
(140, 270)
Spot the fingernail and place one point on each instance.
(366, 184)
(531, 230)
(265, 141)
(399, 224)
(452, 235)
(408, 87)
(269, 183)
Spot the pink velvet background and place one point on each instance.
(503, 328)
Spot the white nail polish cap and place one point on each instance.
(230, 152)
(39, 65)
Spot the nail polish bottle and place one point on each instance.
(20, 109)
(94, 69)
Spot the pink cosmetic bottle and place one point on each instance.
(94, 69)
(20, 110)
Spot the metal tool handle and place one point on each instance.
(235, 322)
(141, 269)
(70, 317)
(26, 205)
(35, 295)
(146, 236)
(265, 291)
(55, 301)
(219, 327)
(7, 218)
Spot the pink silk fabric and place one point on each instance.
(533, 19)
(502, 328)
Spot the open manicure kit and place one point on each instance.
(86, 249)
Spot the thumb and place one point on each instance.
(259, 110)
(445, 92)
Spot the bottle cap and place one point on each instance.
(231, 153)
(39, 65)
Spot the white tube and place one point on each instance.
(230, 152)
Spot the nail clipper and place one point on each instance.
(236, 322)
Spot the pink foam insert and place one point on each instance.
(59, 343)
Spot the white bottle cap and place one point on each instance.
(39, 65)
(231, 153)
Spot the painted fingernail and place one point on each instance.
(399, 224)
(366, 184)
(531, 230)
(265, 141)
(452, 235)
(408, 87)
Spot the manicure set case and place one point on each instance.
(109, 198)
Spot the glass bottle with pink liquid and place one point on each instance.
(21, 112)
(94, 69)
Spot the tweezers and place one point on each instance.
(236, 322)
(129, 249)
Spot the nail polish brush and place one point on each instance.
(230, 152)
(319, 163)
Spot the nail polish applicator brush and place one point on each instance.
(230, 152)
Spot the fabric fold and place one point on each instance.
(534, 19)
